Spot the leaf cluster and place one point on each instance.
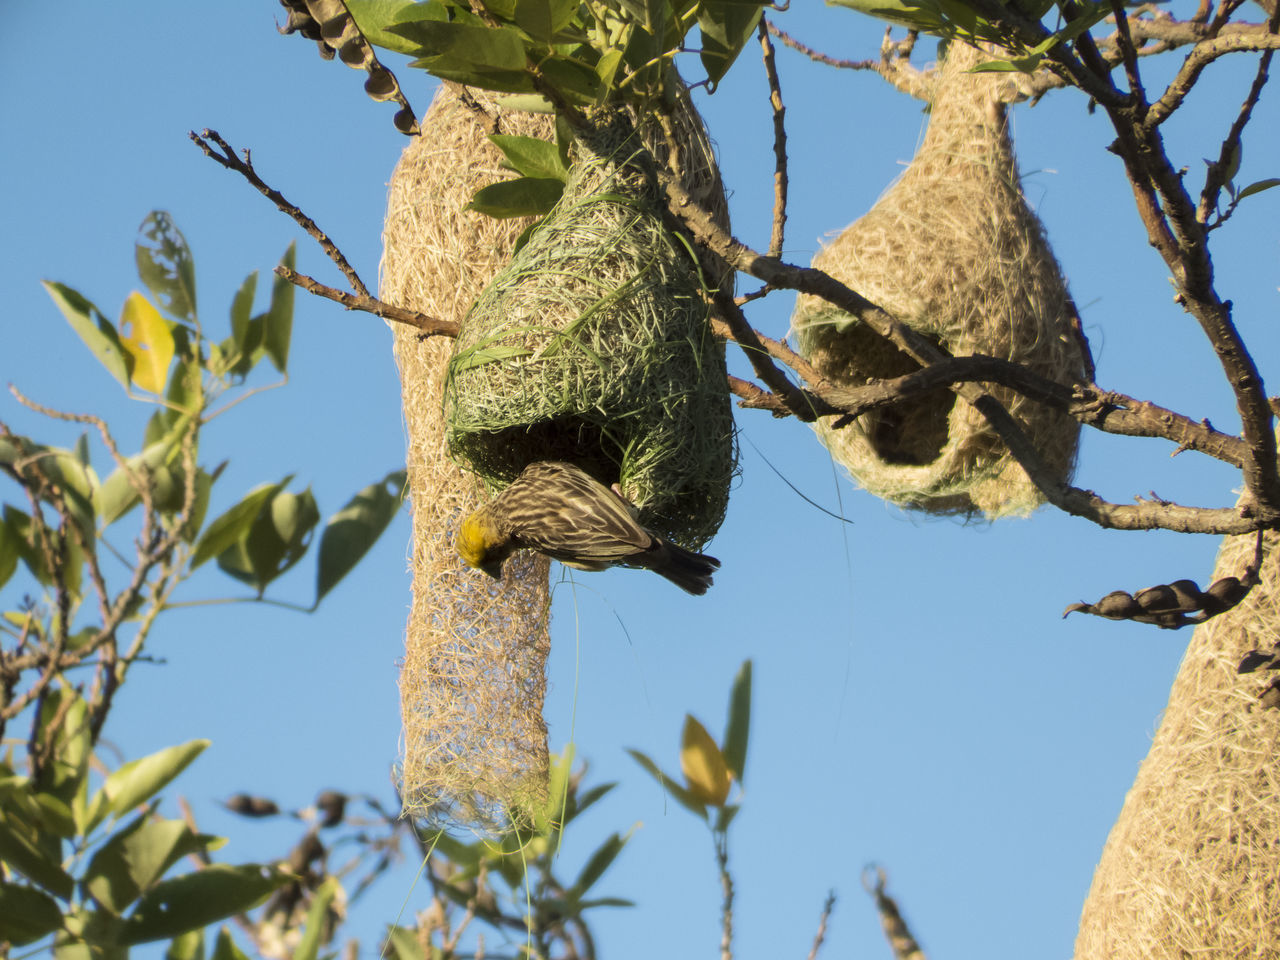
(557, 53)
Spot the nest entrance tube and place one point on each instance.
(953, 250)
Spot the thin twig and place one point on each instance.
(226, 156)
(430, 326)
(815, 55)
(726, 893)
(1218, 172)
(827, 906)
(779, 143)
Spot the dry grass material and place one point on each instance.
(594, 346)
(952, 249)
(1192, 866)
(473, 678)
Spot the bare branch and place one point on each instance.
(430, 326)
(779, 144)
(1204, 53)
(827, 906)
(226, 156)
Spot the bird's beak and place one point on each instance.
(493, 568)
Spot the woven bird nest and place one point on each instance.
(594, 346)
(1192, 866)
(953, 250)
(473, 678)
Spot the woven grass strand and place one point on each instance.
(953, 249)
(594, 346)
(1192, 865)
(473, 678)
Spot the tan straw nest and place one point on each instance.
(473, 678)
(1192, 866)
(953, 250)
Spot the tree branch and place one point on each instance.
(430, 326)
(226, 156)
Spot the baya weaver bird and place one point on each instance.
(561, 511)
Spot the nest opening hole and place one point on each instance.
(910, 433)
(508, 451)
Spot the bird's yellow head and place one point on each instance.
(481, 544)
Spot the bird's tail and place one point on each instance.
(689, 571)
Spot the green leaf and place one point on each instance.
(586, 799)
(923, 16)
(308, 947)
(134, 859)
(94, 329)
(1256, 187)
(277, 322)
(404, 944)
(9, 551)
(277, 539)
(139, 780)
(531, 157)
(117, 494)
(200, 506)
(26, 914)
(25, 849)
(726, 27)
(246, 330)
(1016, 65)
(597, 864)
(147, 337)
(224, 948)
(544, 19)
(572, 77)
(373, 17)
(186, 946)
(355, 528)
(738, 727)
(199, 898)
(522, 197)
(233, 525)
(678, 793)
(69, 748)
(493, 58)
(165, 265)
(94, 936)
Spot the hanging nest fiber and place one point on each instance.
(473, 678)
(1192, 865)
(953, 250)
(593, 346)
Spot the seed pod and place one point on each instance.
(1228, 591)
(1117, 605)
(1188, 596)
(1159, 599)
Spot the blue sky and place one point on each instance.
(919, 700)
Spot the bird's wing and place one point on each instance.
(575, 517)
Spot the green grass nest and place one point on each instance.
(593, 346)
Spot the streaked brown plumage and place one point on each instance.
(560, 510)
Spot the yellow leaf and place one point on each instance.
(705, 772)
(149, 340)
